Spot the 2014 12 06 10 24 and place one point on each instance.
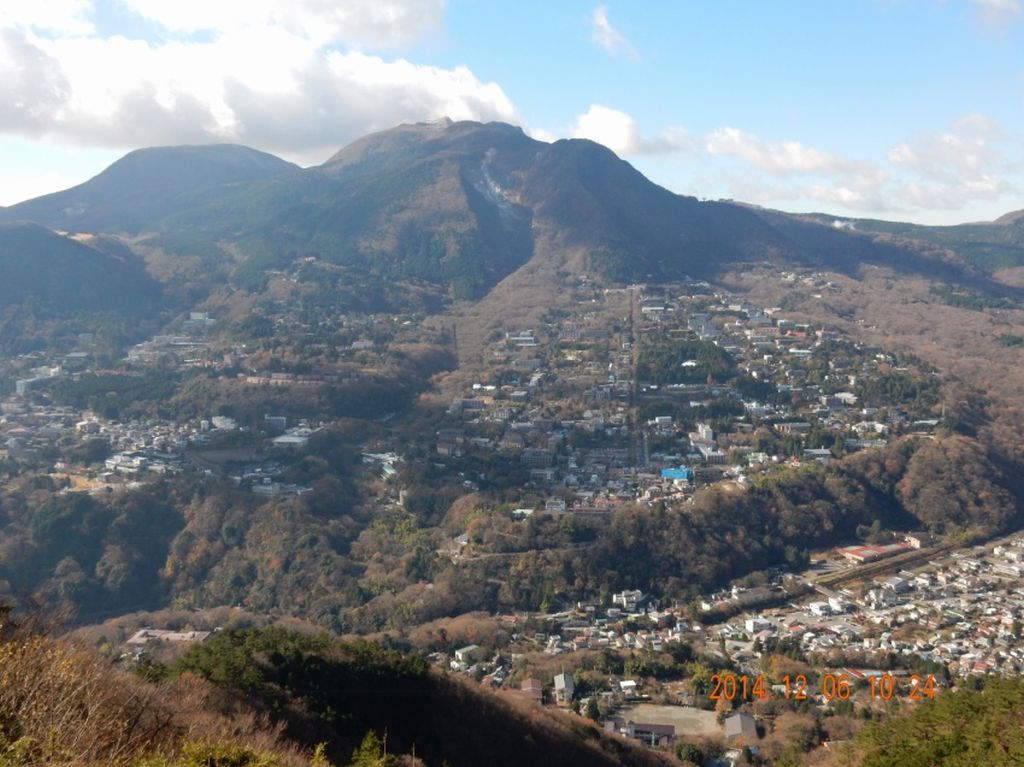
(744, 687)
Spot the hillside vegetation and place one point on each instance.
(957, 729)
(336, 558)
(987, 246)
(272, 698)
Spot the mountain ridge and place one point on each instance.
(462, 204)
(459, 204)
(985, 245)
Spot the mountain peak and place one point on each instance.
(1010, 218)
(462, 136)
(145, 181)
(243, 160)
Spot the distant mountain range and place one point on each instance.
(464, 204)
(989, 246)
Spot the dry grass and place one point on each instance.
(62, 704)
(206, 714)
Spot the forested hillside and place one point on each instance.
(955, 730)
(335, 558)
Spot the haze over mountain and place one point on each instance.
(144, 184)
(463, 205)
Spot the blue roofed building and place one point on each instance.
(681, 472)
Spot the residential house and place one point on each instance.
(532, 690)
(564, 688)
(741, 726)
(651, 734)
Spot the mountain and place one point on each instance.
(985, 246)
(49, 269)
(463, 205)
(147, 184)
(420, 202)
(634, 228)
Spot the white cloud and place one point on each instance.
(864, 191)
(977, 124)
(775, 157)
(944, 156)
(52, 16)
(358, 23)
(540, 134)
(268, 85)
(777, 171)
(976, 146)
(931, 196)
(620, 133)
(998, 13)
(607, 37)
(974, 161)
(861, 192)
(973, 165)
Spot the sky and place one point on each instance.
(908, 110)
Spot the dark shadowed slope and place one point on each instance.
(48, 269)
(986, 246)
